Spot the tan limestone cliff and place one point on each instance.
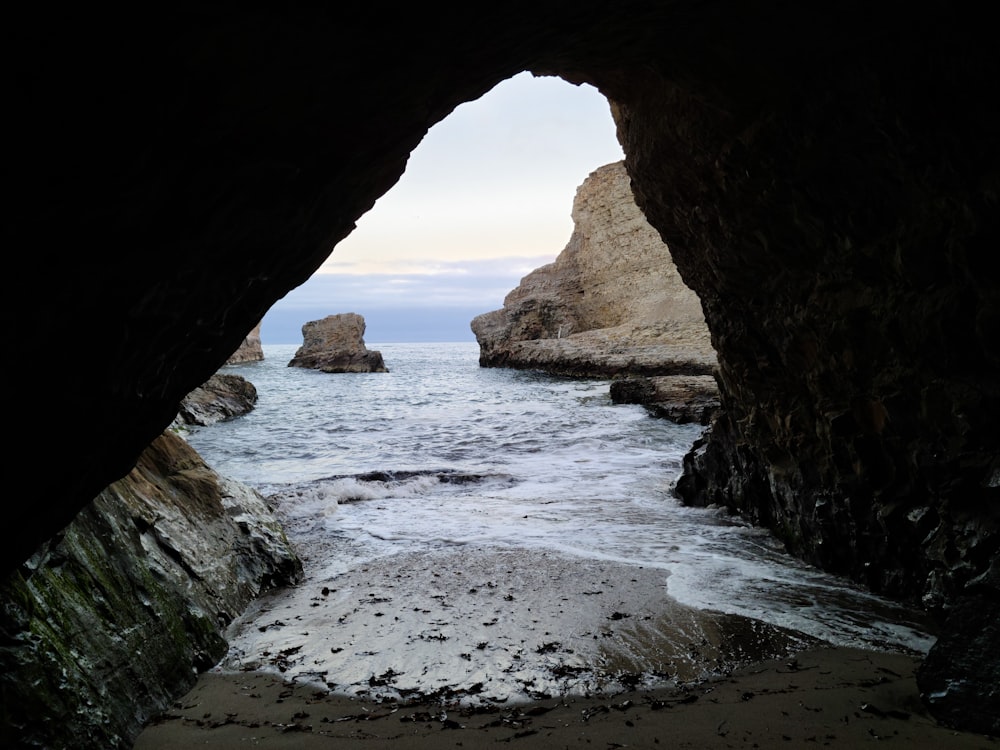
(611, 304)
(251, 350)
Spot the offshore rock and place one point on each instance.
(113, 618)
(684, 400)
(336, 344)
(223, 396)
(250, 350)
(611, 305)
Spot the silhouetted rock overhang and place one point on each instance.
(826, 176)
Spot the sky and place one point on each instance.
(485, 199)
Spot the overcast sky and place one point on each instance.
(485, 199)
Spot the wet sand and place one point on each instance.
(472, 647)
(827, 697)
(485, 625)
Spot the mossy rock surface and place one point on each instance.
(111, 620)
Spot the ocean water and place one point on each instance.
(542, 494)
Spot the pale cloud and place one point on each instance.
(468, 283)
(486, 198)
(495, 179)
(420, 306)
(456, 269)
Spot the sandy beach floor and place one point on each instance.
(473, 647)
(485, 625)
(826, 697)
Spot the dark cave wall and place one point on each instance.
(172, 178)
(827, 185)
(171, 181)
(840, 238)
(839, 229)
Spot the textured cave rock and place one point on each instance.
(223, 396)
(251, 350)
(958, 680)
(825, 175)
(113, 618)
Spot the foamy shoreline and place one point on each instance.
(471, 647)
(492, 625)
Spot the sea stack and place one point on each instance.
(250, 350)
(336, 344)
(611, 305)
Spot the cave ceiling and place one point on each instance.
(825, 175)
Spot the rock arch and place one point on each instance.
(825, 175)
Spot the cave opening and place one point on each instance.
(227, 114)
(420, 530)
(486, 198)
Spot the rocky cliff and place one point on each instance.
(611, 305)
(337, 344)
(110, 620)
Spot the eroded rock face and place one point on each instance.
(858, 390)
(108, 621)
(223, 396)
(337, 344)
(611, 304)
(959, 680)
(250, 350)
(679, 398)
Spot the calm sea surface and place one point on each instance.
(439, 455)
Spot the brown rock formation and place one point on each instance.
(825, 175)
(251, 350)
(113, 617)
(612, 303)
(223, 396)
(678, 398)
(337, 344)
